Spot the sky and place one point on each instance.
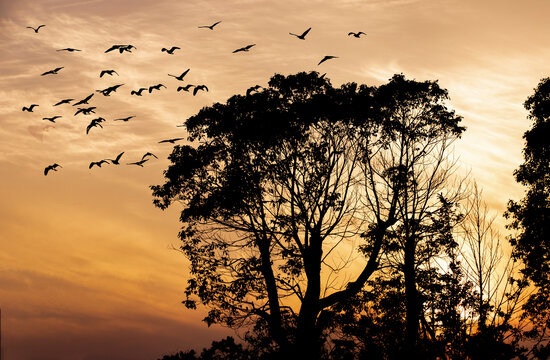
(89, 268)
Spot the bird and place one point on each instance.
(35, 30)
(357, 34)
(156, 87)
(185, 88)
(65, 101)
(138, 163)
(29, 108)
(51, 167)
(69, 50)
(138, 92)
(108, 72)
(94, 123)
(199, 87)
(253, 88)
(51, 119)
(303, 36)
(84, 101)
(121, 48)
(246, 48)
(148, 154)
(85, 111)
(171, 50)
(180, 78)
(211, 27)
(171, 141)
(115, 161)
(328, 57)
(109, 90)
(98, 163)
(125, 119)
(53, 72)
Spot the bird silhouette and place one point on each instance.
(35, 29)
(121, 48)
(328, 57)
(29, 108)
(94, 123)
(125, 119)
(171, 141)
(69, 50)
(253, 88)
(199, 87)
(85, 100)
(155, 87)
(65, 101)
(108, 72)
(357, 34)
(138, 163)
(51, 119)
(85, 111)
(138, 92)
(180, 78)
(211, 27)
(116, 160)
(53, 72)
(246, 48)
(148, 154)
(97, 163)
(303, 36)
(51, 167)
(109, 90)
(185, 88)
(171, 50)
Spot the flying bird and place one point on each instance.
(138, 92)
(328, 57)
(115, 161)
(29, 108)
(148, 154)
(185, 88)
(94, 123)
(53, 72)
(171, 141)
(121, 48)
(51, 119)
(65, 101)
(357, 34)
(85, 111)
(171, 50)
(138, 163)
(303, 36)
(199, 87)
(108, 72)
(155, 87)
(85, 100)
(211, 27)
(69, 50)
(35, 30)
(180, 78)
(253, 88)
(246, 48)
(98, 163)
(51, 167)
(109, 90)
(125, 119)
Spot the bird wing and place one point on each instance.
(214, 24)
(195, 90)
(249, 46)
(103, 72)
(305, 32)
(48, 168)
(114, 47)
(241, 49)
(119, 156)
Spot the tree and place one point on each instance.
(278, 187)
(530, 216)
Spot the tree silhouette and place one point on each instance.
(282, 188)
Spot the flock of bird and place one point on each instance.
(109, 90)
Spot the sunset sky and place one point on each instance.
(88, 268)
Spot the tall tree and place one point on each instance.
(273, 188)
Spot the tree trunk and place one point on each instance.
(411, 299)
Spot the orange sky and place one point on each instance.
(87, 269)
